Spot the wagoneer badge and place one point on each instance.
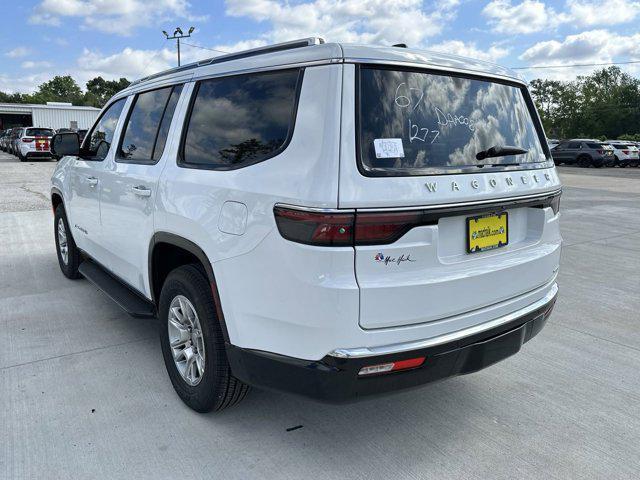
(493, 182)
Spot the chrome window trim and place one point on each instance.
(363, 352)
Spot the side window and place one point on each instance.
(96, 146)
(145, 132)
(574, 145)
(240, 120)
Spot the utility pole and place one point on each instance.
(177, 35)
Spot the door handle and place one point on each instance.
(92, 181)
(141, 191)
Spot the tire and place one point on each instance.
(211, 387)
(69, 266)
(584, 161)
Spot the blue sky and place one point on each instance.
(115, 38)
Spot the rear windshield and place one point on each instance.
(414, 123)
(39, 132)
(618, 146)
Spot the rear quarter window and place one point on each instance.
(240, 120)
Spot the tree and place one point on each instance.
(99, 90)
(58, 89)
(605, 103)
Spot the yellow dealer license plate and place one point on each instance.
(487, 232)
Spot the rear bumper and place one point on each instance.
(335, 379)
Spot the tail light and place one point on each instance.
(315, 228)
(28, 140)
(391, 367)
(555, 204)
(344, 229)
(626, 152)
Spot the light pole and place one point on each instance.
(177, 35)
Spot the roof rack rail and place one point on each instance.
(277, 47)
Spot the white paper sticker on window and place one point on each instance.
(388, 148)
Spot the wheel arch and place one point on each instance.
(185, 252)
(56, 198)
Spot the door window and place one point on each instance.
(146, 130)
(96, 146)
(574, 145)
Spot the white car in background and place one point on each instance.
(34, 143)
(325, 219)
(626, 153)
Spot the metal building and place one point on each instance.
(52, 115)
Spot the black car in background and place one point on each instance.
(583, 152)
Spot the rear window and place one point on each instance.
(594, 145)
(413, 123)
(240, 120)
(618, 146)
(39, 132)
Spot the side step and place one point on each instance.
(132, 302)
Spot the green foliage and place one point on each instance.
(605, 104)
(99, 90)
(65, 89)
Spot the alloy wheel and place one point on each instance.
(185, 340)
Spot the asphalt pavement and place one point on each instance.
(84, 392)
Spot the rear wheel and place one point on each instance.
(193, 345)
(584, 161)
(68, 253)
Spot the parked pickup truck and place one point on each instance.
(323, 219)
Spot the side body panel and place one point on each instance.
(273, 292)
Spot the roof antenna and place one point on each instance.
(400, 45)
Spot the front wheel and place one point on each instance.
(193, 345)
(68, 253)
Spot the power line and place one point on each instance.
(204, 48)
(575, 65)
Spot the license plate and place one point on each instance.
(486, 232)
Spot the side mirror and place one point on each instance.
(67, 143)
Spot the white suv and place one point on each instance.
(626, 153)
(324, 219)
(34, 143)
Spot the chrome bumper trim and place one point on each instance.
(362, 352)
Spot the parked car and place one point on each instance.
(583, 152)
(303, 225)
(4, 136)
(625, 153)
(16, 133)
(34, 143)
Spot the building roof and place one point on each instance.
(28, 107)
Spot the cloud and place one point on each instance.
(593, 46)
(130, 63)
(527, 17)
(606, 12)
(31, 65)
(367, 21)
(18, 52)
(119, 17)
(457, 47)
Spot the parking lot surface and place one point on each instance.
(84, 393)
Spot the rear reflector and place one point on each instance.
(391, 367)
